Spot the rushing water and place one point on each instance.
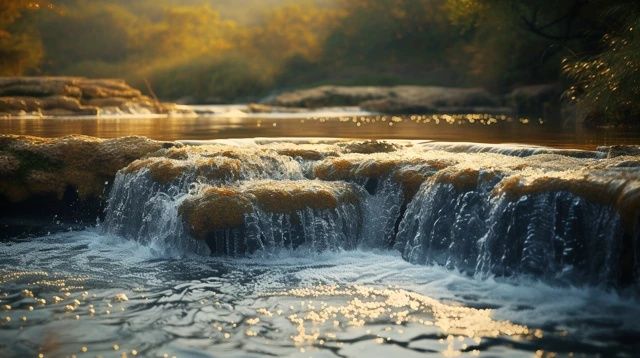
(327, 248)
(109, 296)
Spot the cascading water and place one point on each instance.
(338, 248)
(566, 215)
(550, 235)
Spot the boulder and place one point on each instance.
(65, 178)
(329, 96)
(395, 100)
(613, 151)
(67, 96)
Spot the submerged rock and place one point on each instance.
(65, 96)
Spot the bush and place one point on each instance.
(607, 85)
(227, 80)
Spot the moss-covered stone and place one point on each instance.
(225, 208)
(49, 176)
(214, 209)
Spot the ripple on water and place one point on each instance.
(108, 297)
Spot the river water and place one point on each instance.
(467, 272)
(230, 122)
(358, 303)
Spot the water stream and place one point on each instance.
(333, 248)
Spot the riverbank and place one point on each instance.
(539, 101)
(77, 96)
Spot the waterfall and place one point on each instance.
(559, 215)
(555, 235)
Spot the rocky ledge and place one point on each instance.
(536, 100)
(49, 180)
(73, 96)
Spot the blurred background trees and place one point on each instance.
(224, 50)
(20, 45)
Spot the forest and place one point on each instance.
(225, 51)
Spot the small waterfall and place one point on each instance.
(560, 215)
(307, 229)
(383, 208)
(146, 196)
(555, 235)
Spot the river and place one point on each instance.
(444, 240)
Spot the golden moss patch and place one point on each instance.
(220, 208)
(306, 151)
(622, 195)
(289, 196)
(214, 209)
(411, 180)
(461, 179)
(162, 170)
(48, 166)
(354, 166)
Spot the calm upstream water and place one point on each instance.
(135, 284)
(230, 122)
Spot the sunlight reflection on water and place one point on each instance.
(87, 293)
(476, 127)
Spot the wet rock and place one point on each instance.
(417, 100)
(329, 96)
(265, 108)
(68, 96)
(67, 176)
(216, 209)
(620, 150)
(369, 146)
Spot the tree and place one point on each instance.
(607, 84)
(20, 47)
(593, 42)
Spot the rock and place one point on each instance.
(265, 108)
(329, 96)
(68, 177)
(620, 150)
(398, 106)
(222, 208)
(65, 96)
(397, 100)
(537, 100)
(416, 99)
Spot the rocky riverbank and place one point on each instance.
(77, 96)
(540, 100)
